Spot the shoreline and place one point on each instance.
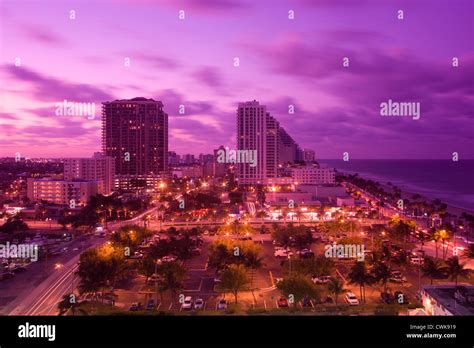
(408, 193)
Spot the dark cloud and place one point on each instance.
(42, 34)
(44, 88)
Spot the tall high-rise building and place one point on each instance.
(188, 159)
(99, 167)
(289, 150)
(135, 133)
(173, 158)
(218, 169)
(257, 132)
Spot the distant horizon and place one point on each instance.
(316, 160)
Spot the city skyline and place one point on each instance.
(282, 62)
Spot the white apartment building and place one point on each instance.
(62, 191)
(313, 175)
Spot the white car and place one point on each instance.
(397, 277)
(222, 304)
(199, 303)
(321, 279)
(282, 253)
(351, 299)
(418, 261)
(187, 303)
(154, 278)
(169, 258)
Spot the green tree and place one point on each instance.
(433, 268)
(14, 224)
(147, 267)
(173, 275)
(360, 275)
(100, 268)
(296, 288)
(401, 229)
(382, 274)
(336, 287)
(469, 252)
(234, 279)
(456, 269)
(219, 256)
(254, 262)
(66, 304)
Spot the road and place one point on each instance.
(43, 298)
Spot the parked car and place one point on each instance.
(187, 303)
(351, 299)
(134, 307)
(282, 302)
(400, 297)
(168, 258)
(150, 305)
(418, 261)
(199, 303)
(307, 302)
(397, 277)
(282, 253)
(305, 253)
(137, 255)
(222, 304)
(321, 279)
(154, 278)
(386, 297)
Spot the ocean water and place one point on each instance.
(451, 182)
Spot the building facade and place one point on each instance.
(63, 192)
(309, 155)
(135, 134)
(313, 175)
(97, 168)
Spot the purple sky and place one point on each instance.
(282, 62)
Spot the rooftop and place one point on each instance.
(458, 300)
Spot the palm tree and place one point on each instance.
(436, 237)
(336, 287)
(433, 268)
(359, 275)
(255, 263)
(469, 252)
(456, 269)
(67, 303)
(382, 274)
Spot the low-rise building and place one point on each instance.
(313, 175)
(67, 192)
(448, 299)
